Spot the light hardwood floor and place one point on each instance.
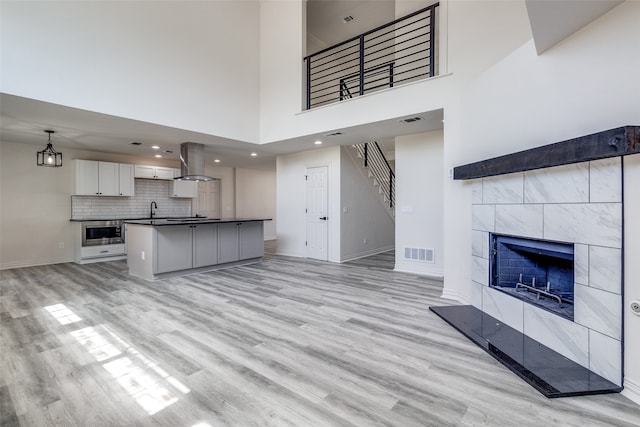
(286, 342)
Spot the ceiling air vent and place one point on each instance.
(333, 134)
(411, 120)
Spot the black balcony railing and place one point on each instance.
(398, 52)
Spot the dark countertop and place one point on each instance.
(190, 221)
(130, 219)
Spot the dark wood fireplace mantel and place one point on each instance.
(620, 141)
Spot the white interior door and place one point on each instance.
(317, 230)
(208, 201)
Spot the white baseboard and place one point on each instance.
(368, 253)
(453, 294)
(631, 390)
(34, 262)
(432, 273)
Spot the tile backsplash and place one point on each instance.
(138, 206)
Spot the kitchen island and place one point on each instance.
(158, 248)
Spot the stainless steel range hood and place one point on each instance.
(192, 162)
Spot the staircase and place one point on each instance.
(375, 165)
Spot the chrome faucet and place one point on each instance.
(152, 212)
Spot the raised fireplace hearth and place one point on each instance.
(535, 271)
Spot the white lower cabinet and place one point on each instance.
(102, 251)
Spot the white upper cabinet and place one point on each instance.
(103, 178)
(184, 189)
(188, 189)
(86, 177)
(164, 173)
(154, 172)
(108, 179)
(126, 180)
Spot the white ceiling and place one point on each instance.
(24, 120)
(325, 25)
(553, 21)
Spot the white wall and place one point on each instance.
(35, 204)
(291, 200)
(524, 100)
(226, 175)
(631, 275)
(256, 197)
(282, 26)
(366, 226)
(419, 205)
(191, 65)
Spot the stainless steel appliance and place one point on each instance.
(98, 233)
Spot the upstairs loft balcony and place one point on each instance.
(402, 51)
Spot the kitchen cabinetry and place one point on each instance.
(98, 253)
(183, 188)
(228, 242)
(95, 178)
(126, 183)
(240, 240)
(158, 248)
(182, 247)
(154, 172)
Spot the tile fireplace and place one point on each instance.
(547, 253)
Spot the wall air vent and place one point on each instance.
(419, 254)
(411, 119)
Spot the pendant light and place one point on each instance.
(49, 156)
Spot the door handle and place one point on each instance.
(324, 218)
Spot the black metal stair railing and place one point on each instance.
(379, 169)
(399, 52)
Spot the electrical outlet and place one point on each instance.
(635, 307)
(142, 255)
(61, 245)
(364, 241)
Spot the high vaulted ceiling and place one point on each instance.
(24, 120)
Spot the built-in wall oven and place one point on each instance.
(99, 233)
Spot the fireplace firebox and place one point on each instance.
(539, 272)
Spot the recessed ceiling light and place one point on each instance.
(136, 143)
(158, 155)
(318, 142)
(155, 147)
(254, 154)
(216, 161)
